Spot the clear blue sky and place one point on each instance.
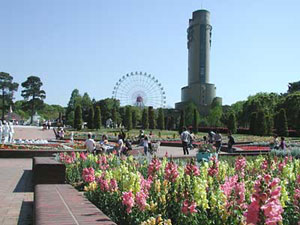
(90, 44)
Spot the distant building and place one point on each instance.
(14, 117)
(199, 90)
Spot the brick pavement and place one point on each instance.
(28, 132)
(16, 192)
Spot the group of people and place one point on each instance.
(145, 141)
(47, 125)
(279, 144)
(6, 132)
(187, 138)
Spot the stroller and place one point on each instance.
(154, 147)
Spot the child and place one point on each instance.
(146, 145)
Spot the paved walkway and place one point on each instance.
(30, 132)
(16, 192)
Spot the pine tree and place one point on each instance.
(160, 119)
(97, 118)
(78, 118)
(182, 122)
(231, 123)
(253, 123)
(145, 119)
(90, 123)
(261, 125)
(134, 119)
(151, 116)
(128, 116)
(281, 123)
(171, 125)
(195, 121)
(270, 124)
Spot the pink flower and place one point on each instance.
(103, 165)
(264, 165)
(252, 215)
(113, 185)
(192, 169)
(128, 200)
(154, 166)
(188, 207)
(88, 175)
(82, 155)
(171, 172)
(141, 200)
(73, 155)
(240, 163)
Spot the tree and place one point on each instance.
(270, 123)
(161, 119)
(171, 124)
(90, 123)
(281, 123)
(215, 114)
(293, 87)
(261, 125)
(75, 100)
(134, 119)
(97, 118)
(253, 123)
(189, 113)
(128, 116)
(195, 121)
(78, 118)
(32, 89)
(151, 116)
(7, 87)
(231, 123)
(107, 105)
(298, 123)
(86, 104)
(114, 115)
(145, 119)
(182, 122)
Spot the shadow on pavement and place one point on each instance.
(26, 213)
(25, 182)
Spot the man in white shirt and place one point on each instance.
(185, 138)
(90, 144)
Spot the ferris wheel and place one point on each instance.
(139, 89)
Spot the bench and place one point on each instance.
(63, 204)
(46, 170)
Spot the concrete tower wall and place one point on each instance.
(199, 41)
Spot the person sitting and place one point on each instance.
(230, 143)
(90, 144)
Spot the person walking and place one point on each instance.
(282, 145)
(90, 144)
(230, 143)
(5, 132)
(1, 131)
(146, 145)
(185, 138)
(11, 133)
(218, 141)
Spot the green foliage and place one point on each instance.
(291, 104)
(151, 116)
(261, 125)
(189, 114)
(171, 123)
(107, 105)
(134, 119)
(195, 121)
(128, 116)
(215, 115)
(75, 99)
(293, 87)
(97, 118)
(298, 123)
(86, 104)
(145, 119)
(161, 119)
(78, 118)
(7, 87)
(33, 94)
(281, 123)
(115, 116)
(253, 123)
(231, 123)
(181, 122)
(270, 124)
(90, 123)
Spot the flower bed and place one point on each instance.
(133, 191)
(253, 147)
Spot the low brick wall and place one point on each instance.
(62, 204)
